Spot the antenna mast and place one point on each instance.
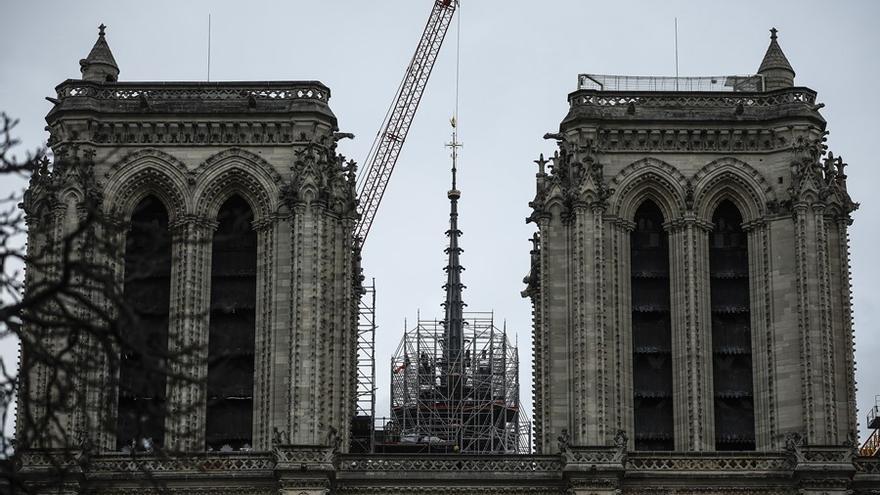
(209, 47)
(676, 53)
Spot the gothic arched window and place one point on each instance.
(651, 331)
(144, 328)
(231, 335)
(731, 331)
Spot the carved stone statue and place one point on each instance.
(277, 437)
(563, 441)
(621, 440)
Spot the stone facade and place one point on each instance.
(193, 145)
(687, 152)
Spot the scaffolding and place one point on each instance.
(871, 447)
(468, 405)
(362, 425)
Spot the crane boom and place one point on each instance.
(389, 141)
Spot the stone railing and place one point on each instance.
(353, 466)
(199, 463)
(714, 461)
(304, 458)
(195, 91)
(594, 98)
(868, 465)
(427, 463)
(825, 455)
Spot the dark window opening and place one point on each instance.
(651, 332)
(144, 329)
(231, 335)
(731, 331)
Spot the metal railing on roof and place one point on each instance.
(735, 84)
(871, 447)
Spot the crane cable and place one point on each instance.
(457, 58)
(455, 144)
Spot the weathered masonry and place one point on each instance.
(235, 214)
(689, 277)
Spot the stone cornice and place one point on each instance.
(690, 140)
(233, 131)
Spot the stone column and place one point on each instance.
(589, 349)
(619, 304)
(264, 345)
(553, 385)
(600, 433)
(305, 308)
(321, 345)
(763, 339)
(826, 328)
(102, 397)
(844, 335)
(192, 239)
(814, 323)
(691, 333)
(45, 237)
(540, 345)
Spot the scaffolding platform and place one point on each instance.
(468, 405)
(871, 447)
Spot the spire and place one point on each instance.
(454, 320)
(775, 68)
(99, 66)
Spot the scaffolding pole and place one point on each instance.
(470, 405)
(363, 426)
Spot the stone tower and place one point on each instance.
(258, 278)
(690, 279)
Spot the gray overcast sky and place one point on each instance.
(519, 60)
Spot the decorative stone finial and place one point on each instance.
(774, 67)
(100, 66)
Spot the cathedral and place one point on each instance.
(689, 283)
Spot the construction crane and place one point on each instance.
(370, 189)
(389, 141)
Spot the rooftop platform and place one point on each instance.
(729, 84)
(722, 100)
